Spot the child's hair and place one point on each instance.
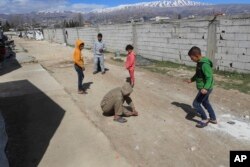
(194, 51)
(99, 35)
(129, 47)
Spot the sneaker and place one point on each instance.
(201, 124)
(120, 120)
(95, 72)
(103, 72)
(213, 121)
(82, 92)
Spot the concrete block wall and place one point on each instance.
(225, 40)
(46, 34)
(54, 35)
(233, 45)
(58, 37)
(72, 36)
(116, 37)
(88, 35)
(171, 41)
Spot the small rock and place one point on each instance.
(193, 148)
(246, 117)
(231, 122)
(137, 148)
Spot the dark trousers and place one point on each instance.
(204, 100)
(3, 141)
(80, 76)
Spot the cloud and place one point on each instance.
(26, 6)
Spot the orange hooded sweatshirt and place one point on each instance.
(77, 56)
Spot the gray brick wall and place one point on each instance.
(228, 46)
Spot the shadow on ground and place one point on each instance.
(9, 66)
(189, 111)
(87, 85)
(128, 80)
(31, 119)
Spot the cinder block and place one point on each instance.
(185, 41)
(239, 65)
(221, 43)
(198, 42)
(244, 58)
(201, 36)
(185, 47)
(226, 22)
(234, 29)
(241, 29)
(248, 51)
(231, 50)
(225, 63)
(234, 44)
(247, 67)
(229, 57)
(227, 36)
(241, 37)
(244, 44)
(218, 56)
(169, 50)
(236, 22)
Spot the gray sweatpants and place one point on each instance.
(101, 59)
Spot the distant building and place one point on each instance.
(87, 24)
(191, 16)
(136, 20)
(159, 19)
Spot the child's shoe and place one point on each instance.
(202, 124)
(82, 92)
(213, 121)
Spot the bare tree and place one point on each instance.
(79, 18)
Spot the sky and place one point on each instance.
(26, 6)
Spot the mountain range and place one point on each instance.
(141, 5)
(122, 13)
(153, 4)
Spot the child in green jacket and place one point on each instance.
(204, 83)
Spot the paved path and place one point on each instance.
(45, 126)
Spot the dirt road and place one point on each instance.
(161, 135)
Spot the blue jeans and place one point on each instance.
(204, 100)
(80, 76)
(3, 141)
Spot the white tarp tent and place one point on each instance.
(38, 35)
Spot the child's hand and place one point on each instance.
(83, 68)
(188, 81)
(101, 50)
(203, 91)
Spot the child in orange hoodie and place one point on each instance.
(79, 64)
(130, 64)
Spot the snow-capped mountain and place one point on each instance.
(162, 4)
(56, 11)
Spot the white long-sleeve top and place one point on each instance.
(97, 46)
